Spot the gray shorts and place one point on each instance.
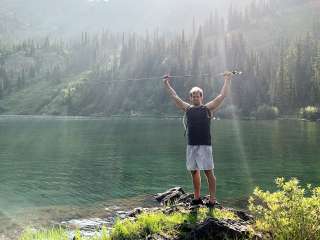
(199, 157)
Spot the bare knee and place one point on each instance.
(209, 173)
(194, 172)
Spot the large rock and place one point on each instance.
(214, 229)
(211, 228)
(170, 195)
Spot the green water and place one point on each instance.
(55, 162)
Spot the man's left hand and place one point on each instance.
(227, 75)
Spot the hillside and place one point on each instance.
(276, 45)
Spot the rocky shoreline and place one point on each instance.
(170, 201)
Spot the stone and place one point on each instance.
(214, 229)
(171, 198)
(156, 237)
(185, 198)
(135, 212)
(243, 215)
(160, 196)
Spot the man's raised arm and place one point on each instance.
(178, 101)
(215, 103)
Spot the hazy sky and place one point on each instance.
(69, 17)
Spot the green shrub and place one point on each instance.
(267, 112)
(289, 213)
(311, 113)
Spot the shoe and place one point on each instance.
(212, 204)
(197, 202)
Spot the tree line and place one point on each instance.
(285, 72)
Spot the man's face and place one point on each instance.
(196, 98)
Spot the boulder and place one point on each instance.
(170, 194)
(214, 229)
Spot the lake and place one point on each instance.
(53, 168)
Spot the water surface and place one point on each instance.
(64, 165)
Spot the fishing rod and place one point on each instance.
(234, 72)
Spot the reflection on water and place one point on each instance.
(81, 163)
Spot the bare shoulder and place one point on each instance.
(209, 105)
(186, 106)
(215, 103)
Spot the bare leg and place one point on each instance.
(211, 179)
(196, 180)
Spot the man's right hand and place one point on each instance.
(166, 78)
(179, 103)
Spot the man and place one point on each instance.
(199, 148)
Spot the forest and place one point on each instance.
(90, 76)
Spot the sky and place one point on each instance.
(69, 17)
